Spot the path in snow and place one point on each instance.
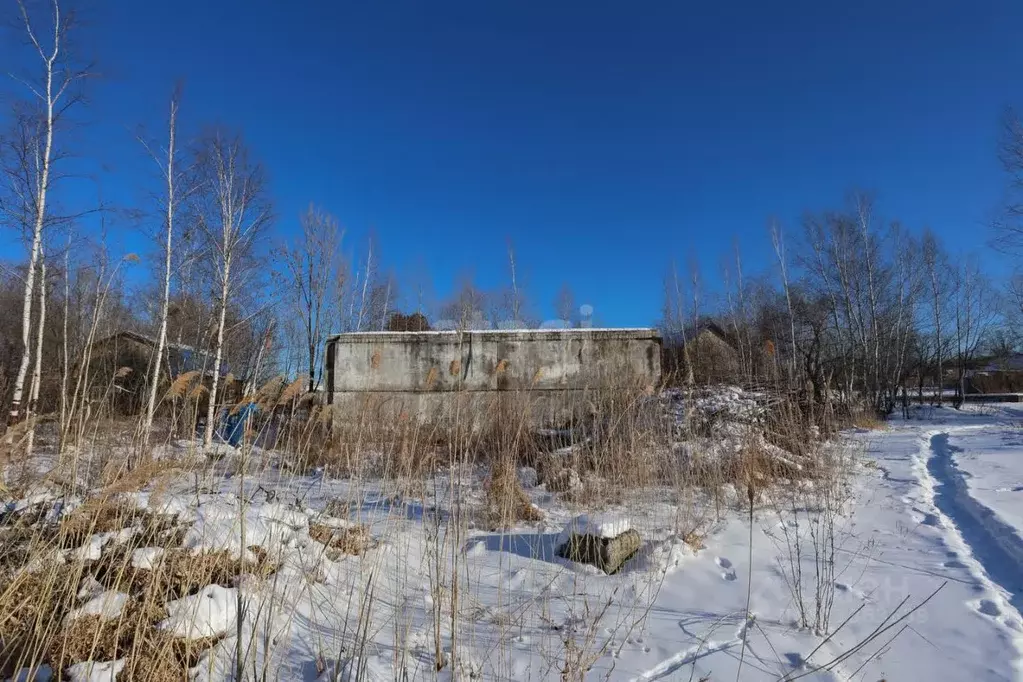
(994, 544)
(693, 654)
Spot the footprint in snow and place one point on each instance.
(927, 519)
(728, 573)
(989, 608)
(954, 563)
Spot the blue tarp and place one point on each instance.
(232, 424)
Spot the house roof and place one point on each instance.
(692, 331)
(142, 338)
(180, 357)
(1011, 363)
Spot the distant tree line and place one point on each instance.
(858, 309)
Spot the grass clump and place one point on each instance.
(506, 503)
(352, 540)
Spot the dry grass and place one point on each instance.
(182, 385)
(293, 390)
(101, 515)
(35, 605)
(352, 540)
(39, 588)
(618, 443)
(868, 419)
(178, 573)
(506, 502)
(144, 475)
(150, 654)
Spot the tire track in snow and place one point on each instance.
(995, 545)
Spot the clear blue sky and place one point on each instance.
(603, 138)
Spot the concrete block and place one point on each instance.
(607, 554)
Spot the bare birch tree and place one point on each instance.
(564, 305)
(514, 295)
(314, 273)
(52, 95)
(936, 265)
(172, 176)
(974, 313)
(367, 274)
(234, 214)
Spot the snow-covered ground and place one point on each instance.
(927, 584)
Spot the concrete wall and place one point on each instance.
(426, 373)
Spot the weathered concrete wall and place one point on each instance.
(421, 372)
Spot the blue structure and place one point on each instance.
(232, 425)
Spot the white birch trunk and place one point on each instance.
(161, 337)
(37, 370)
(207, 436)
(40, 218)
(365, 285)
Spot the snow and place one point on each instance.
(355, 669)
(92, 548)
(225, 523)
(990, 460)
(934, 515)
(147, 558)
(90, 671)
(274, 511)
(600, 525)
(211, 612)
(107, 605)
(89, 588)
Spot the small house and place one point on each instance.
(120, 367)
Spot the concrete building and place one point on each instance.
(427, 375)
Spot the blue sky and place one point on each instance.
(602, 138)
